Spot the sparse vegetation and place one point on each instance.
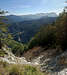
(2, 53)
(19, 70)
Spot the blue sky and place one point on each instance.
(20, 7)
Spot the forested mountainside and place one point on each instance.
(53, 34)
(30, 28)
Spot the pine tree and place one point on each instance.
(3, 26)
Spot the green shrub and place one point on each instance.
(2, 53)
(15, 70)
(24, 70)
(17, 48)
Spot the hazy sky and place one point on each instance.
(32, 6)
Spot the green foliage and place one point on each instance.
(61, 34)
(8, 69)
(2, 53)
(24, 70)
(15, 71)
(4, 64)
(3, 25)
(52, 35)
(46, 37)
(17, 48)
(29, 70)
(6, 38)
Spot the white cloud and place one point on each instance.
(57, 11)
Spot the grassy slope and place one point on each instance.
(6, 69)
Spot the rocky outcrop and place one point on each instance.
(10, 58)
(56, 65)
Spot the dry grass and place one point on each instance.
(6, 69)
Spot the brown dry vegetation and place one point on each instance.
(37, 51)
(6, 69)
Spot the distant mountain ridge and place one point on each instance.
(16, 18)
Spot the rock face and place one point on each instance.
(52, 61)
(56, 65)
(12, 59)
